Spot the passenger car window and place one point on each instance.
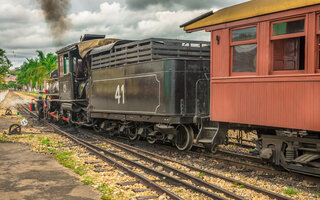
(288, 27)
(288, 45)
(244, 58)
(244, 50)
(244, 34)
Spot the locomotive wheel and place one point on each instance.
(151, 137)
(132, 133)
(96, 127)
(184, 137)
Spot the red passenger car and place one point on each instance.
(265, 75)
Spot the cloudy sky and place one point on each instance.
(23, 29)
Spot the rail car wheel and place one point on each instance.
(97, 128)
(132, 133)
(184, 137)
(151, 136)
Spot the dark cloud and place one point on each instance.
(55, 13)
(174, 4)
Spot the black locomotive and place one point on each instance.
(157, 89)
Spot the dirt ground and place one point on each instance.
(29, 175)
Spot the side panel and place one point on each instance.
(132, 94)
(66, 87)
(220, 53)
(167, 87)
(290, 102)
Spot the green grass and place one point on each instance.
(201, 175)
(108, 193)
(236, 184)
(87, 181)
(66, 159)
(4, 138)
(46, 142)
(291, 191)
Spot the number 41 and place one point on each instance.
(118, 94)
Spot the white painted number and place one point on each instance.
(119, 92)
(24, 122)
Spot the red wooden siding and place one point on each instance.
(291, 102)
(286, 99)
(220, 51)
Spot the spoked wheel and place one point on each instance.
(184, 137)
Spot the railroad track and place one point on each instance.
(166, 173)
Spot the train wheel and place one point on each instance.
(96, 127)
(151, 136)
(184, 137)
(132, 133)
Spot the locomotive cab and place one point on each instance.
(71, 72)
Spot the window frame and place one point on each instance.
(61, 65)
(288, 36)
(237, 43)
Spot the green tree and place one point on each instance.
(12, 84)
(5, 64)
(37, 70)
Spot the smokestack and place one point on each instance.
(55, 13)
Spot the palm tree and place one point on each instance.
(38, 69)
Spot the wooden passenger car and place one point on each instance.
(265, 76)
(265, 63)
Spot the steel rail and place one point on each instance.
(96, 150)
(183, 174)
(257, 189)
(149, 183)
(179, 172)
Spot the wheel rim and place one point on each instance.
(184, 137)
(151, 139)
(96, 128)
(132, 134)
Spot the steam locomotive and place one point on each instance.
(156, 89)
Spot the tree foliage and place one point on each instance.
(36, 70)
(5, 64)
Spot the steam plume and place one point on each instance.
(55, 13)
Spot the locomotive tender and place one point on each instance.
(157, 89)
(265, 76)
